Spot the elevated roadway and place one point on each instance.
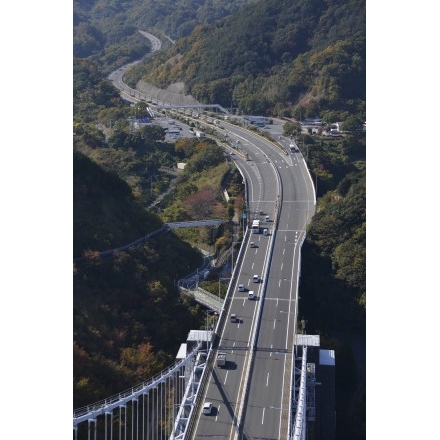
(251, 396)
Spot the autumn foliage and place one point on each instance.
(199, 205)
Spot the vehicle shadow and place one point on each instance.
(230, 365)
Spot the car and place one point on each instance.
(267, 218)
(251, 294)
(261, 212)
(265, 231)
(234, 317)
(256, 279)
(241, 287)
(252, 245)
(207, 408)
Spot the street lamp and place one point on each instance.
(206, 332)
(244, 218)
(209, 340)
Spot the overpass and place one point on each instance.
(200, 107)
(163, 230)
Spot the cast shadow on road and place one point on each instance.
(225, 398)
(229, 365)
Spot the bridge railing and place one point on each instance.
(90, 412)
(299, 432)
(189, 433)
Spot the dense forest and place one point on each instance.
(305, 60)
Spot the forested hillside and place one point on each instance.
(122, 331)
(290, 59)
(272, 57)
(128, 317)
(109, 29)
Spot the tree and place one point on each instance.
(291, 128)
(140, 110)
(199, 205)
(152, 134)
(352, 123)
(139, 359)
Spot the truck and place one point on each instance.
(199, 134)
(221, 359)
(256, 226)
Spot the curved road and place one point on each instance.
(250, 395)
(116, 77)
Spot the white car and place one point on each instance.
(241, 287)
(256, 279)
(207, 408)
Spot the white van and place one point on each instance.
(251, 294)
(265, 231)
(256, 279)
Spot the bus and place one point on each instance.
(256, 227)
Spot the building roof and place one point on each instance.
(181, 354)
(311, 340)
(199, 335)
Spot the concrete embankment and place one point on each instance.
(173, 94)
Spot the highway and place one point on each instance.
(251, 394)
(116, 77)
